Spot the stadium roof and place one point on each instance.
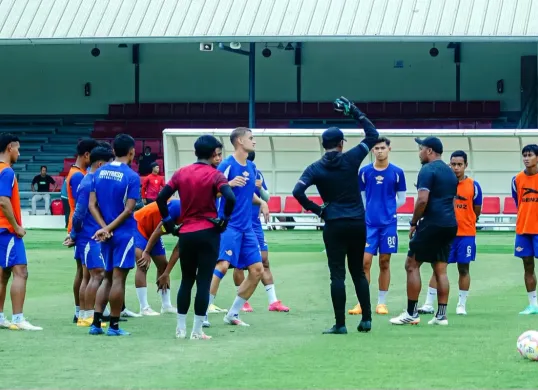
(139, 21)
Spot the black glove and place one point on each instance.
(169, 226)
(343, 104)
(219, 223)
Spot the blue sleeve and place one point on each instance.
(7, 179)
(425, 179)
(74, 182)
(477, 200)
(514, 190)
(80, 210)
(133, 187)
(362, 179)
(174, 209)
(401, 185)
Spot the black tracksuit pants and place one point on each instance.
(198, 255)
(347, 237)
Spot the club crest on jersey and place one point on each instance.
(379, 179)
(245, 174)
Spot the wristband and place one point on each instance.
(412, 224)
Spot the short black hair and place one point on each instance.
(531, 148)
(123, 143)
(6, 139)
(86, 146)
(43, 166)
(459, 153)
(101, 153)
(381, 140)
(205, 146)
(239, 132)
(251, 155)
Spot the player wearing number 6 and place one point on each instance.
(467, 206)
(383, 189)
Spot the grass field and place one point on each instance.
(279, 350)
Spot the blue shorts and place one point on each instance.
(141, 242)
(526, 245)
(261, 238)
(240, 249)
(88, 252)
(119, 252)
(383, 239)
(12, 251)
(463, 250)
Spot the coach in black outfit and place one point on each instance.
(433, 227)
(336, 177)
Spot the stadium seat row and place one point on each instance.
(294, 110)
(149, 130)
(491, 205)
(68, 162)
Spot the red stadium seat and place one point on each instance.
(509, 206)
(491, 205)
(317, 200)
(292, 206)
(134, 166)
(275, 204)
(59, 182)
(408, 207)
(139, 146)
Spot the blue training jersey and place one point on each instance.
(255, 208)
(241, 218)
(114, 184)
(84, 225)
(381, 187)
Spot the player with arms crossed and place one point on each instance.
(267, 276)
(12, 252)
(430, 241)
(525, 193)
(344, 233)
(467, 206)
(112, 201)
(84, 226)
(73, 179)
(148, 220)
(198, 186)
(239, 245)
(383, 188)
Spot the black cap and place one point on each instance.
(431, 142)
(332, 136)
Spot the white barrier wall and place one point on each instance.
(283, 154)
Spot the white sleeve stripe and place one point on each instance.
(365, 146)
(423, 189)
(227, 172)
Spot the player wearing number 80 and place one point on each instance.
(383, 188)
(467, 206)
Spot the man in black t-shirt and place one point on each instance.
(433, 227)
(43, 183)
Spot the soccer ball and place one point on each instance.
(527, 345)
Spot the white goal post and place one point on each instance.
(283, 154)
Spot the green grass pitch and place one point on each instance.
(279, 350)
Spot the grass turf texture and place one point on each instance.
(279, 350)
